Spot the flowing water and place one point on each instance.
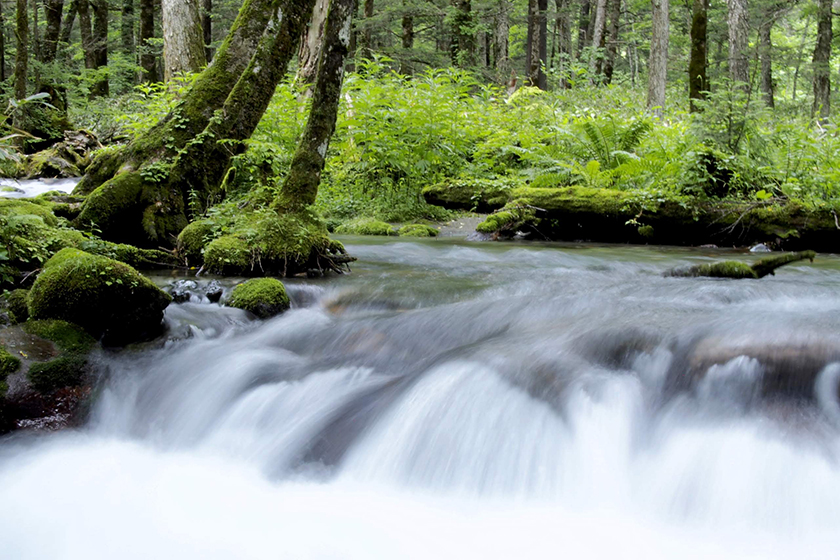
(29, 188)
(455, 400)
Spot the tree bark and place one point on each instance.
(301, 186)
(463, 45)
(537, 23)
(822, 61)
(698, 81)
(86, 32)
(183, 38)
(2, 46)
(366, 46)
(407, 40)
(658, 65)
(765, 52)
(147, 32)
(134, 207)
(612, 43)
(310, 45)
(564, 42)
(738, 28)
(127, 27)
(36, 39)
(597, 40)
(100, 46)
(501, 53)
(69, 20)
(52, 15)
(22, 46)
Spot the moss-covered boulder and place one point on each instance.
(106, 297)
(264, 297)
(417, 230)
(69, 368)
(365, 227)
(192, 240)
(8, 365)
(17, 302)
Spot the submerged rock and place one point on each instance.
(214, 291)
(264, 297)
(182, 290)
(106, 297)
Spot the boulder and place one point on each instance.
(107, 298)
(264, 297)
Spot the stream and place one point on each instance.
(460, 400)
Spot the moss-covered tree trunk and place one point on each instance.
(52, 15)
(301, 185)
(183, 39)
(145, 202)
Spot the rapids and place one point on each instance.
(460, 400)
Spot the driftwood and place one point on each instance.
(739, 270)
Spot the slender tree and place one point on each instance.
(127, 27)
(22, 46)
(52, 16)
(822, 61)
(597, 40)
(463, 32)
(501, 53)
(698, 81)
(146, 34)
(537, 43)
(563, 24)
(658, 64)
(765, 54)
(614, 13)
(583, 38)
(366, 46)
(183, 39)
(310, 45)
(207, 28)
(100, 46)
(738, 28)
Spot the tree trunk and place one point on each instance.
(738, 27)
(310, 45)
(207, 28)
(52, 16)
(658, 64)
(612, 44)
(537, 24)
(822, 62)
(597, 40)
(2, 46)
(407, 41)
(301, 185)
(765, 46)
(564, 43)
(463, 45)
(69, 20)
(145, 209)
(147, 32)
(127, 27)
(100, 46)
(366, 47)
(36, 39)
(583, 38)
(22, 46)
(183, 39)
(698, 81)
(86, 32)
(501, 53)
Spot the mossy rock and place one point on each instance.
(35, 207)
(192, 240)
(52, 163)
(366, 227)
(228, 255)
(105, 297)
(8, 365)
(482, 195)
(264, 297)
(510, 219)
(417, 230)
(69, 368)
(17, 304)
(67, 337)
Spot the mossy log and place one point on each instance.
(740, 270)
(609, 215)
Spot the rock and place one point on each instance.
(192, 240)
(181, 291)
(17, 304)
(105, 297)
(264, 297)
(365, 226)
(214, 291)
(417, 230)
(760, 248)
(68, 158)
(8, 365)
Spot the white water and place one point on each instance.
(428, 434)
(29, 188)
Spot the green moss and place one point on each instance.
(646, 231)
(417, 230)
(470, 194)
(725, 269)
(264, 297)
(8, 365)
(51, 163)
(67, 337)
(497, 222)
(193, 239)
(16, 207)
(513, 216)
(17, 302)
(768, 265)
(104, 296)
(365, 226)
(64, 371)
(227, 255)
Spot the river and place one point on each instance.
(460, 400)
